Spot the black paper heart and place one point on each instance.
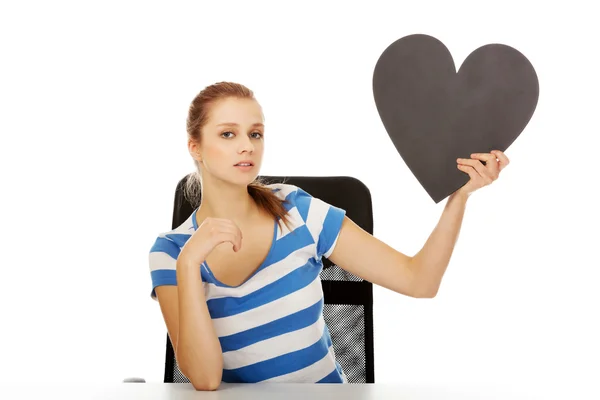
(435, 115)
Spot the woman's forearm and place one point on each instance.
(198, 352)
(430, 263)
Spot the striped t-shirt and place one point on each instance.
(271, 327)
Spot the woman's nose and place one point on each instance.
(246, 145)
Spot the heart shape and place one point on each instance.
(434, 114)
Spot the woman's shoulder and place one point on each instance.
(295, 197)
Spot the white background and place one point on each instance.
(94, 97)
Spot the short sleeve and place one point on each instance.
(163, 263)
(323, 220)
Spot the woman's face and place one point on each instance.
(232, 135)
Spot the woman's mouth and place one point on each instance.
(244, 166)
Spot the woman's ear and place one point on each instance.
(194, 150)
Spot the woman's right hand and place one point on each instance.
(211, 233)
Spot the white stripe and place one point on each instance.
(265, 276)
(311, 374)
(269, 312)
(316, 216)
(160, 260)
(274, 347)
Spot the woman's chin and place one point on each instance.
(243, 180)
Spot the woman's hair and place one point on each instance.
(197, 117)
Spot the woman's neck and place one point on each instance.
(233, 203)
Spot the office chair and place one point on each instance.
(348, 300)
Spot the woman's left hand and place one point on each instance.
(481, 175)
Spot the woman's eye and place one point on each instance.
(256, 135)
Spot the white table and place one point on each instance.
(283, 391)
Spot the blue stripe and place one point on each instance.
(162, 277)
(289, 323)
(166, 246)
(303, 203)
(333, 377)
(331, 228)
(299, 278)
(277, 366)
(289, 202)
(301, 200)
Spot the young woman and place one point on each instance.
(238, 282)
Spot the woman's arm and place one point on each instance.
(419, 276)
(198, 350)
(365, 256)
(195, 342)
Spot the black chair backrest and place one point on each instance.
(348, 308)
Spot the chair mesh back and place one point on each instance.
(348, 308)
